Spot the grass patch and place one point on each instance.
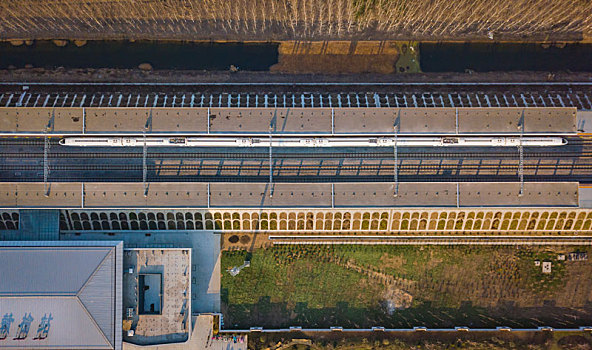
(405, 286)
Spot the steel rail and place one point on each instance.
(280, 168)
(320, 155)
(311, 179)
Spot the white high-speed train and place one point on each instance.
(446, 141)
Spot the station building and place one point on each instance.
(61, 294)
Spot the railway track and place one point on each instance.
(512, 154)
(304, 167)
(291, 95)
(315, 178)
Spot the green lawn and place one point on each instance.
(432, 286)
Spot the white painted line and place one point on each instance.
(64, 102)
(560, 100)
(579, 101)
(9, 99)
(507, 102)
(19, 103)
(515, 102)
(588, 99)
(570, 101)
(551, 99)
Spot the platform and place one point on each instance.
(558, 194)
(33, 195)
(39, 120)
(159, 195)
(281, 120)
(586, 197)
(305, 121)
(383, 195)
(510, 120)
(288, 195)
(253, 195)
(584, 122)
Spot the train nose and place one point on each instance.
(62, 142)
(564, 141)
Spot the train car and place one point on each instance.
(447, 141)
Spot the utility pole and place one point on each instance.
(396, 154)
(46, 147)
(270, 163)
(271, 123)
(521, 161)
(145, 154)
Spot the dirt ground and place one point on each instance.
(337, 57)
(196, 77)
(243, 241)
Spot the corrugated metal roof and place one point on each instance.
(75, 285)
(70, 324)
(43, 271)
(98, 294)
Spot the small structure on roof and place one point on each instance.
(157, 295)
